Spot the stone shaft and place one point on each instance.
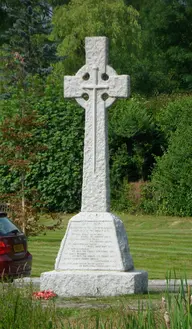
(101, 85)
(96, 189)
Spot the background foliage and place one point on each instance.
(149, 135)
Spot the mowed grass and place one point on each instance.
(157, 244)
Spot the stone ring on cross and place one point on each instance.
(95, 87)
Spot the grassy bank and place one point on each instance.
(157, 244)
(19, 310)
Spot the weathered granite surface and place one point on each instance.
(94, 283)
(94, 259)
(153, 285)
(96, 79)
(95, 241)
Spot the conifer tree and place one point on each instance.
(27, 57)
(27, 38)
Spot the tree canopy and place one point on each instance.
(149, 134)
(113, 19)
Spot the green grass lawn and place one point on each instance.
(20, 311)
(158, 245)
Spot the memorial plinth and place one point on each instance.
(94, 257)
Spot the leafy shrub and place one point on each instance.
(172, 178)
(120, 201)
(170, 189)
(173, 113)
(134, 140)
(130, 197)
(57, 174)
(148, 204)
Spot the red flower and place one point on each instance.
(45, 294)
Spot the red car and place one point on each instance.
(15, 260)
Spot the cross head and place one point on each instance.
(96, 82)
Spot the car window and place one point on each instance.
(6, 226)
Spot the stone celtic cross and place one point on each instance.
(95, 87)
(94, 257)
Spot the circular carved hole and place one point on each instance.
(104, 76)
(85, 96)
(86, 76)
(105, 96)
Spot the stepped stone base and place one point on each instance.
(94, 283)
(94, 260)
